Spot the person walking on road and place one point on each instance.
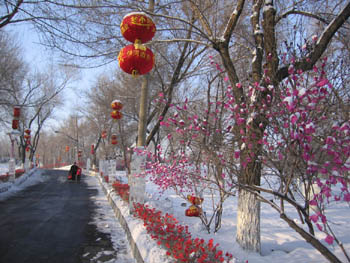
(73, 171)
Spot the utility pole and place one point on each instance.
(138, 184)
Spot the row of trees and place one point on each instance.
(269, 105)
(36, 93)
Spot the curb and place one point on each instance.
(135, 250)
(139, 239)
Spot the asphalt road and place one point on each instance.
(49, 222)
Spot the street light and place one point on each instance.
(12, 164)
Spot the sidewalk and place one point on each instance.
(144, 248)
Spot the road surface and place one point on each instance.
(51, 222)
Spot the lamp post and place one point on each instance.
(138, 36)
(12, 164)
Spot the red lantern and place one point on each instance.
(27, 131)
(194, 200)
(136, 61)
(92, 149)
(116, 105)
(192, 211)
(67, 148)
(103, 134)
(16, 112)
(15, 124)
(26, 136)
(137, 27)
(114, 139)
(117, 115)
(27, 149)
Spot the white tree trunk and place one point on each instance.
(248, 221)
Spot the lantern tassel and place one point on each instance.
(134, 73)
(138, 45)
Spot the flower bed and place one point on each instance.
(5, 177)
(177, 240)
(122, 190)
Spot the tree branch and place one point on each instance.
(307, 63)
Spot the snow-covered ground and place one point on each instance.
(279, 242)
(4, 168)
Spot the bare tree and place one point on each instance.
(12, 73)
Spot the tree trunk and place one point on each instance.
(248, 221)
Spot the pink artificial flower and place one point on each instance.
(237, 153)
(347, 197)
(329, 239)
(161, 94)
(294, 119)
(314, 218)
(313, 202)
(322, 83)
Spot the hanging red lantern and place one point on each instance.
(194, 200)
(103, 134)
(92, 149)
(16, 112)
(117, 115)
(67, 148)
(27, 131)
(27, 149)
(116, 105)
(137, 27)
(15, 124)
(192, 211)
(114, 139)
(136, 61)
(26, 136)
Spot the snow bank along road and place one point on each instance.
(51, 222)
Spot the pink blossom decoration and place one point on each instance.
(314, 218)
(329, 239)
(347, 197)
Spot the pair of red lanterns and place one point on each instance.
(16, 115)
(116, 114)
(116, 106)
(27, 138)
(194, 210)
(137, 59)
